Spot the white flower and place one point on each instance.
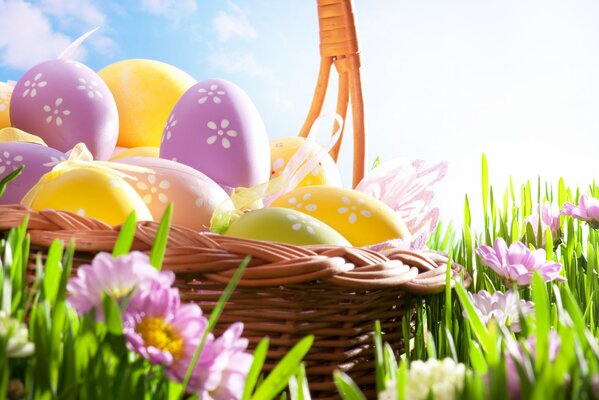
(441, 378)
(211, 92)
(299, 223)
(153, 187)
(170, 124)
(8, 161)
(18, 337)
(220, 132)
(353, 209)
(56, 113)
(90, 87)
(301, 203)
(501, 307)
(54, 161)
(32, 86)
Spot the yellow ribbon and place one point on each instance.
(80, 157)
(17, 135)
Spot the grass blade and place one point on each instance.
(161, 240)
(215, 315)
(279, 376)
(347, 388)
(126, 236)
(256, 368)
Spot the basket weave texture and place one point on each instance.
(287, 292)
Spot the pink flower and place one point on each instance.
(222, 370)
(549, 219)
(407, 187)
(114, 276)
(518, 263)
(586, 210)
(500, 307)
(159, 328)
(517, 355)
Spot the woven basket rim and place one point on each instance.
(215, 257)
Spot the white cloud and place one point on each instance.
(172, 9)
(74, 12)
(236, 63)
(233, 24)
(27, 36)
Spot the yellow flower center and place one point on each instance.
(160, 335)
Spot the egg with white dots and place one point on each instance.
(216, 129)
(193, 195)
(285, 226)
(360, 218)
(90, 191)
(65, 102)
(281, 151)
(35, 159)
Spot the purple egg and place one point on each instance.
(64, 102)
(216, 129)
(37, 160)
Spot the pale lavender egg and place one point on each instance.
(216, 129)
(37, 160)
(65, 102)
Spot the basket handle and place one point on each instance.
(339, 46)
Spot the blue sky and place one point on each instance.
(443, 80)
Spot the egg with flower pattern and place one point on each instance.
(64, 102)
(216, 129)
(281, 151)
(89, 191)
(360, 218)
(286, 226)
(194, 196)
(36, 161)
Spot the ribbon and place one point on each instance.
(80, 157)
(261, 195)
(72, 48)
(17, 135)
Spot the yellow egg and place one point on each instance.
(5, 94)
(89, 192)
(358, 217)
(147, 151)
(286, 226)
(145, 92)
(282, 149)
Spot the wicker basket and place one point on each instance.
(287, 292)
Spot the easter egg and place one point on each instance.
(194, 196)
(36, 159)
(145, 92)
(360, 218)
(284, 225)
(91, 192)
(216, 129)
(64, 102)
(282, 149)
(146, 151)
(5, 95)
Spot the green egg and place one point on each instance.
(284, 225)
